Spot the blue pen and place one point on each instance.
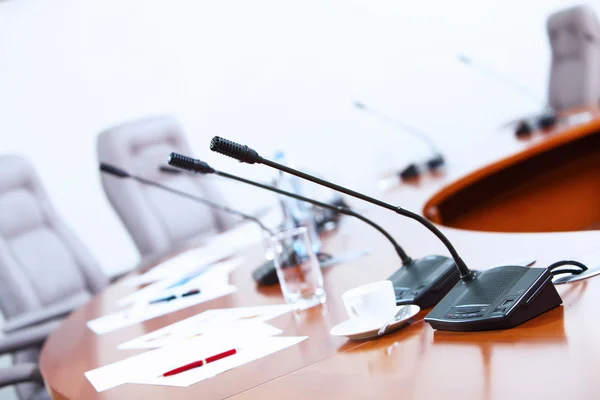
(173, 297)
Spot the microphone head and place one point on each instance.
(114, 171)
(189, 164)
(436, 162)
(240, 152)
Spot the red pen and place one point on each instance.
(200, 363)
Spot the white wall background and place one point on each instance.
(274, 74)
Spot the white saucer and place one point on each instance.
(361, 328)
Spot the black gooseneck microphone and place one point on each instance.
(247, 155)
(264, 274)
(497, 298)
(413, 170)
(505, 80)
(524, 128)
(424, 282)
(121, 173)
(195, 165)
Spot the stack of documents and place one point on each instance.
(197, 338)
(141, 311)
(206, 322)
(169, 295)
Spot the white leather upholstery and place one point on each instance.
(42, 264)
(157, 221)
(574, 35)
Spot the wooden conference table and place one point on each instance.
(509, 199)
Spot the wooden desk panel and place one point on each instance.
(549, 186)
(555, 191)
(414, 363)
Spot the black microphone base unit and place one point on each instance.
(410, 172)
(523, 130)
(499, 298)
(547, 121)
(544, 123)
(436, 162)
(425, 282)
(413, 170)
(266, 274)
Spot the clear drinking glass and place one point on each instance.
(298, 268)
(268, 246)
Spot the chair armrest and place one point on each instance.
(34, 336)
(56, 311)
(19, 373)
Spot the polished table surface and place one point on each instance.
(553, 356)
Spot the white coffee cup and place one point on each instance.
(375, 301)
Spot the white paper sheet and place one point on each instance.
(207, 322)
(215, 274)
(149, 366)
(189, 261)
(252, 351)
(215, 249)
(143, 311)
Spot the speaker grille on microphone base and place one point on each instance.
(488, 287)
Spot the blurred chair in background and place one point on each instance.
(46, 271)
(574, 35)
(26, 375)
(159, 222)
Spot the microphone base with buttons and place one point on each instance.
(498, 298)
(425, 282)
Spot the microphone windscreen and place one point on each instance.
(234, 150)
(189, 164)
(181, 161)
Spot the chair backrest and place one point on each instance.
(574, 35)
(158, 221)
(42, 263)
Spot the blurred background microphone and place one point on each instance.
(266, 273)
(424, 281)
(413, 170)
(523, 127)
(121, 173)
(194, 165)
(502, 78)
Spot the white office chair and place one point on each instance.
(46, 272)
(574, 35)
(159, 222)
